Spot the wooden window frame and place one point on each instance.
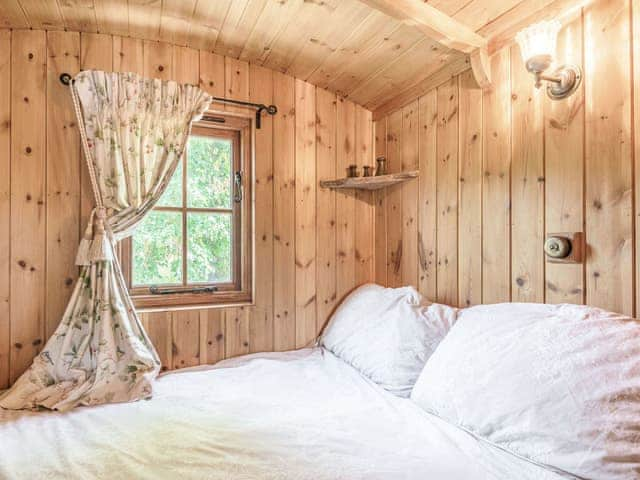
(241, 130)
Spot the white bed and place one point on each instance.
(296, 415)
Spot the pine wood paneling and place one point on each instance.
(326, 206)
(410, 161)
(609, 194)
(305, 195)
(212, 75)
(158, 327)
(236, 82)
(564, 173)
(447, 193)
(394, 201)
(635, 38)
(5, 204)
(529, 166)
(527, 184)
(364, 204)
(380, 221)
(63, 177)
(185, 329)
(470, 192)
(261, 322)
(157, 59)
(345, 199)
(427, 194)
(237, 331)
(496, 252)
(186, 65)
(341, 42)
(212, 327)
(284, 272)
(293, 151)
(128, 55)
(28, 154)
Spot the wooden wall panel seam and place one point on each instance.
(5, 207)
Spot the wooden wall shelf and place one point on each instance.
(369, 183)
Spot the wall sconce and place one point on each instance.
(538, 46)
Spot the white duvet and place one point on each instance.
(297, 415)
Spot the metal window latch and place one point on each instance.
(165, 291)
(237, 194)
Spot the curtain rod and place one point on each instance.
(66, 79)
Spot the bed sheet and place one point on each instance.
(293, 415)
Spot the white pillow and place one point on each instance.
(556, 384)
(387, 334)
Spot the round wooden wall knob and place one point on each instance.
(557, 247)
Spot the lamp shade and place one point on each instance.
(538, 44)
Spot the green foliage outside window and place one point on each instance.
(157, 243)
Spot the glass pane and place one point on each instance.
(209, 240)
(208, 172)
(172, 196)
(157, 249)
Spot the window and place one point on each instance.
(194, 247)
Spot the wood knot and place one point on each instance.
(160, 68)
(68, 281)
(28, 150)
(36, 342)
(30, 56)
(17, 345)
(22, 263)
(219, 337)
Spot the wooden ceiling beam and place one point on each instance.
(432, 22)
(441, 28)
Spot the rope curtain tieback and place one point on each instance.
(85, 145)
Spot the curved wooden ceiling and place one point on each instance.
(343, 45)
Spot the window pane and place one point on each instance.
(209, 247)
(157, 249)
(172, 196)
(208, 172)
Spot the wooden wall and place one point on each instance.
(499, 169)
(310, 250)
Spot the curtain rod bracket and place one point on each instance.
(66, 79)
(260, 107)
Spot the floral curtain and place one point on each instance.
(134, 131)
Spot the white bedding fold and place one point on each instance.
(296, 415)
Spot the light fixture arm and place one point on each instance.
(562, 82)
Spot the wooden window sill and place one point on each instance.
(186, 301)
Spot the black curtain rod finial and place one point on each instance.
(66, 79)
